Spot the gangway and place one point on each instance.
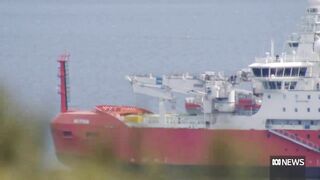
(296, 139)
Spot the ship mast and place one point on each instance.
(63, 82)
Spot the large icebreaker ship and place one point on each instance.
(278, 115)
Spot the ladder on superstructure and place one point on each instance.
(296, 139)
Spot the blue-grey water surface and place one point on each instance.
(110, 39)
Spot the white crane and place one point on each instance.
(209, 87)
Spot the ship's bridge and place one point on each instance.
(283, 75)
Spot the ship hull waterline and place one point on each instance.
(174, 146)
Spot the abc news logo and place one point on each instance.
(287, 167)
(288, 162)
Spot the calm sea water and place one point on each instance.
(110, 39)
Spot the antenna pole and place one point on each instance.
(272, 48)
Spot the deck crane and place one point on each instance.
(216, 91)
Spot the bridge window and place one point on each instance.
(303, 71)
(272, 71)
(265, 85)
(279, 84)
(287, 71)
(265, 72)
(286, 85)
(293, 85)
(280, 72)
(295, 72)
(290, 85)
(256, 72)
(312, 10)
(293, 44)
(272, 84)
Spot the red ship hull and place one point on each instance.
(76, 133)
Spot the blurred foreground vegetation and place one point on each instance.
(22, 147)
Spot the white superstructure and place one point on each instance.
(284, 94)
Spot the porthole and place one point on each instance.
(308, 109)
(309, 96)
(295, 109)
(284, 109)
(319, 136)
(269, 96)
(308, 136)
(318, 109)
(67, 134)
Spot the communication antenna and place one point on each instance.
(272, 48)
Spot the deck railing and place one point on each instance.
(296, 139)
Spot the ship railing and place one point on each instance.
(169, 76)
(296, 139)
(176, 121)
(281, 60)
